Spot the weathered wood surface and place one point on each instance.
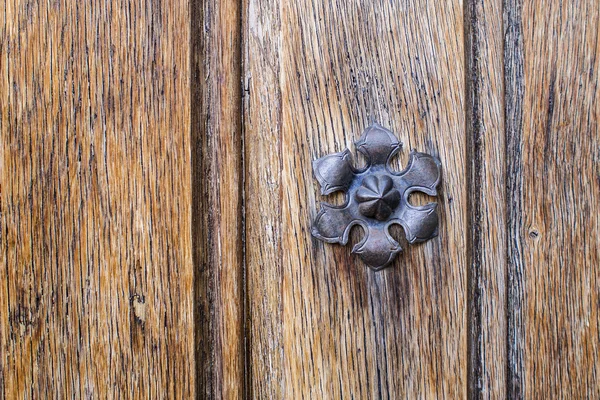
(487, 227)
(558, 293)
(216, 132)
(322, 324)
(96, 288)
(157, 156)
(263, 111)
(513, 114)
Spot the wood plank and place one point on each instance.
(487, 242)
(513, 123)
(263, 203)
(97, 276)
(322, 324)
(217, 201)
(561, 196)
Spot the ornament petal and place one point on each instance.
(424, 172)
(378, 144)
(334, 172)
(378, 248)
(420, 223)
(332, 224)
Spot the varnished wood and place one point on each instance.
(96, 288)
(216, 132)
(560, 217)
(322, 324)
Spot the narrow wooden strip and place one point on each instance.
(487, 243)
(513, 112)
(263, 168)
(473, 125)
(217, 201)
(96, 276)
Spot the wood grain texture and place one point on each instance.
(96, 256)
(561, 199)
(156, 156)
(322, 324)
(217, 202)
(263, 187)
(513, 123)
(487, 242)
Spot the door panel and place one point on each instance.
(322, 325)
(560, 222)
(96, 291)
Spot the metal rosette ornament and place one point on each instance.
(377, 197)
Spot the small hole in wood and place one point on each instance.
(357, 233)
(360, 161)
(397, 232)
(336, 199)
(417, 199)
(399, 161)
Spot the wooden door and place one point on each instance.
(157, 197)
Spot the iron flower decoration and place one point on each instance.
(377, 197)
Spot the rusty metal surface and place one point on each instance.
(377, 197)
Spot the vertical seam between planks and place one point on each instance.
(202, 382)
(513, 109)
(243, 57)
(245, 91)
(474, 189)
(242, 199)
(208, 380)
